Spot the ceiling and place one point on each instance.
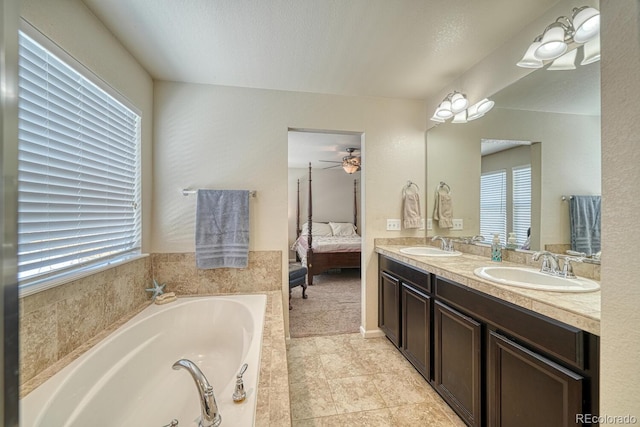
(408, 49)
(400, 49)
(317, 148)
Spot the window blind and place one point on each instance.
(493, 205)
(78, 171)
(521, 202)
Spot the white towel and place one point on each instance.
(411, 211)
(222, 229)
(443, 209)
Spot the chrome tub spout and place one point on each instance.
(210, 416)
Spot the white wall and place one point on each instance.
(76, 29)
(570, 155)
(620, 344)
(224, 137)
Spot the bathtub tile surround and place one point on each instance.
(349, 380)
(179, 272)
(56, 324)
(273, 409)
(57, 321)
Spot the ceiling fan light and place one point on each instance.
(459, 102)
(349, 167)
(485, 105)
(529, 60)
(565, 62)
(586, 21)
(553, 43)
(591, 51)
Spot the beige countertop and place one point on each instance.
(581, 310)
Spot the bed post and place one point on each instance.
(298, 231)
(355, 203)
(310, 235)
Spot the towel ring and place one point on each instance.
(408, 187)
(445, 186)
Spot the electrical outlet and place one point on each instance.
(429, 224)
(393, 225)
(457, 224)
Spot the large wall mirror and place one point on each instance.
(548, 120)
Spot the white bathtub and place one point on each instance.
(127, 380)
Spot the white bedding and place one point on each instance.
(327, 244)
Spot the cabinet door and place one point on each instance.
(389, 307)
(457, 362)
(526, 389)
(416, 329)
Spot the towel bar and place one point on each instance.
(186, 192)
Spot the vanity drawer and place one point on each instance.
(405, 272)
(555, 338)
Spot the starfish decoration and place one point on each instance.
(157, 289)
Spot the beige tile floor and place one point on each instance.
(345, 380)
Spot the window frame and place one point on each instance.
(36, 283)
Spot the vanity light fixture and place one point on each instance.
(582, 28)
(455, 105)
(591, 51)
(565, 62)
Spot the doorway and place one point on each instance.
(327, 166)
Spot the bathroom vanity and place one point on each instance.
(497, 356)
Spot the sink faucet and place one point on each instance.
(210, 416)
(446, 244)
(549, 262)
(470, 240)
(567, 267)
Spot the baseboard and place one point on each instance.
(374, 333)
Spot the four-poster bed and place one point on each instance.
(323, 246)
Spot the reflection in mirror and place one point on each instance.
(554, 119)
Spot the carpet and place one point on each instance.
(332, 306)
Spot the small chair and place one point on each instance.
(297, 277)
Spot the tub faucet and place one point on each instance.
(210, 416)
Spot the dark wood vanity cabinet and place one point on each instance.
(405, 311)
(458, 362)
(496, 364)
(416, 328)
(389, 307)
(526, 389)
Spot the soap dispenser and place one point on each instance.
(496, 248)
(512, 241)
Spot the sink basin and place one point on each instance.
(427, 251)
(534, 279)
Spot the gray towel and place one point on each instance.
(222, 229)
(584, 220)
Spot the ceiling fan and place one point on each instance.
(349, 163)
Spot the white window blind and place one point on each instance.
(79, 169)
(521, 202)
(493, 205)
